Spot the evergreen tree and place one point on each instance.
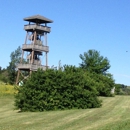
(98, 66)
(94, 62)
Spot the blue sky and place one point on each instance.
(79, 25)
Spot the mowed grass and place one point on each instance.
(113, 115)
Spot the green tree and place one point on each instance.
(106, 82)
(4, 76)
(118, 88)
(98, 66)
(94, 62)
(15, 57)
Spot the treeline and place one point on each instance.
(4, 75)
(122, 89)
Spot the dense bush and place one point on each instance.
(57, 89)
(97, 66)
(105, 84)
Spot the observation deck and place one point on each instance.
(39, 28)
(35, 47)
(31, 67)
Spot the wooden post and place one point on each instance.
(26, 38)
(22, 56)
(22, 50)
(30, 72)
(46, 45)
(17, 77)
(46, 60)
(32, 54)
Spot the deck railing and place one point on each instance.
(36, 47)
(31, 67)
(39, 27)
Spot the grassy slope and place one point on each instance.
(114, 115)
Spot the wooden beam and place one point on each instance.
(46, 55)
(46, 60)
(17, 77)
(22, 56)
(26, 38)
(32, 54)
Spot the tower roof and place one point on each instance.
(38, 19)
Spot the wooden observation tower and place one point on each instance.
(34, 47)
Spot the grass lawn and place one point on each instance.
(113, 115)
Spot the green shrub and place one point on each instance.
(57, 89)
(104, 85)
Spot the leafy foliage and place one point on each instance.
(122, 89)
(97, 65)
(105, 84)
(57, 89)
(93, 62)
(4, 75)
(15, 59)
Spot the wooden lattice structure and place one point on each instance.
(35, 45)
